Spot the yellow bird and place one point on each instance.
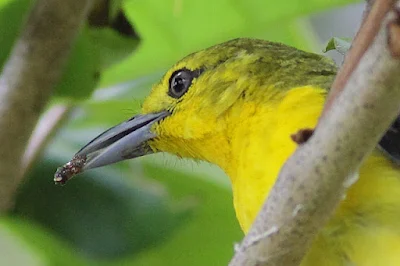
(236, 105)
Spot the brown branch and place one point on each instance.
(312, 182)
(367, 9)
(33, 68)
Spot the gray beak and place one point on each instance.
(121, 142)
(124, 141)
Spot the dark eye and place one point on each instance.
(180, 82)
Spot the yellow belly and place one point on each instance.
(365, 229)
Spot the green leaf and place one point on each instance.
(107, 113)
(112, 105)
(82, 71)
(342, 45)
(24, 243)
(209, 237)
(95, 50)
(115, 7)
(171, 29)
(100, 213)
(112, 46)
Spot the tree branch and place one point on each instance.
(312, 182)
(33, 68)
(372, 18)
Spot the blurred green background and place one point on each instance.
(156, 210)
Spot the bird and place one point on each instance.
(236, 105)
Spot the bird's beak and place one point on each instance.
(124, 141)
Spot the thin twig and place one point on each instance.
(320, 171)
(32, 70)
(44, 130)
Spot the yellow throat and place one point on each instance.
(260, 148)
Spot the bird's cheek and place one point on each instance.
(166, 136)
(166, 144)
(154, 145)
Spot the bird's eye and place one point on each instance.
(180, 82)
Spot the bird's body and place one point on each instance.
(365, 230)
(237, 106)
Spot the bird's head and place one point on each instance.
(194, 109)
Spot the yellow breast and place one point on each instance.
(365, 228)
